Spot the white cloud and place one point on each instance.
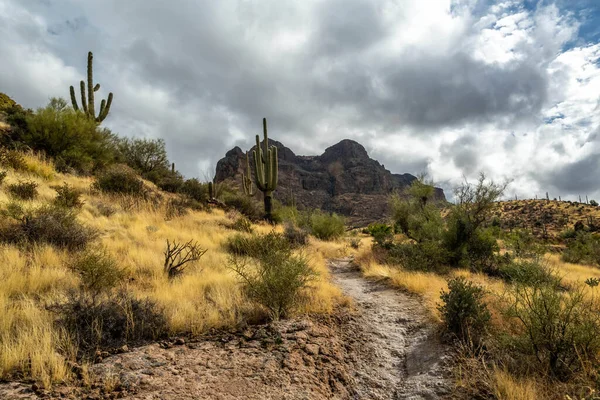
(452, 88)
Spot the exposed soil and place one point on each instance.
(384, 348)
(398, 352)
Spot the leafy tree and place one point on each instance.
(70, 137)
(144, 155)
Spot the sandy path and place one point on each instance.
(398, 354)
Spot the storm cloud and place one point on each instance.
(450, 88)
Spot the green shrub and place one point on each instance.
(71, 138)
(559, 331)
(12, 159)
(23, 190)
(383, 234)
(122, 180)
(48, 224)
(296, 236)
(426, 256)
(242, 224)
(195, 190)
(463, 310)
(593, 203)
(523, 244)
(67, 196)
(568, 234)
(244, 204)
(176, 207)
(527, 272)
(276, 280)
(111, 323)
(258, 246)
(99, 272)
(147, 156)
(585, 248)
(325, 226)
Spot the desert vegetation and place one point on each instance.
(105, 245)
(523, 311)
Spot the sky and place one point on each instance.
(450, 88)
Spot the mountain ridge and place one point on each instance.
(343, 179)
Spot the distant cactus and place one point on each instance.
(266, 170)
(547, 197)
(211, 192)
(89, 108)
(247, 178)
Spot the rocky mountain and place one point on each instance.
(344, 179)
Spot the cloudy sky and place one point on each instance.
(446, 87)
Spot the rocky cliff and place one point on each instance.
(344, 179)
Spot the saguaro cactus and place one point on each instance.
(89, 108)
(265, 170)
(247, 178)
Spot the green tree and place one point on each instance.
(68, 136)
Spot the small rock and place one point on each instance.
(179, 341)
(312, 349)
(123, 349)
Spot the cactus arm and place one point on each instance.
(73, 98)
(104, 108)
(247, 178)
(274, 168)
(257, 173)
(97, 87)
(83, 99)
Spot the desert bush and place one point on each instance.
(585, 248)
(593, 203)
(257, 246)
(568, 234)
(426, 256)
(559, 331)
(178, 255)
(47, 224)
(120, 179)
(12, 159)
(463, 310)
(242, 224)
(176, 207)
(67, 196)
(383, 234)
(244, 204)
(354, 243)
(275, 280)
(147, 156)
(110, 323)
(526, 272)
(195, 190)
(2, 176)
(326, 226)
(98, 271)
(23, 190)
(68, 136)
(296, 236)
(522, 243)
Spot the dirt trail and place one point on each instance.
(383, 349)
(398, 354)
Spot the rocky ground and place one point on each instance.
(382, 348)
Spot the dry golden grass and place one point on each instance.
(508, 387)
(207, 296)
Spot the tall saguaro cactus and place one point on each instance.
(89, 107)
(266, 170)
(247, 178)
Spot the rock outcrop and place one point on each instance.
(344, 179)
